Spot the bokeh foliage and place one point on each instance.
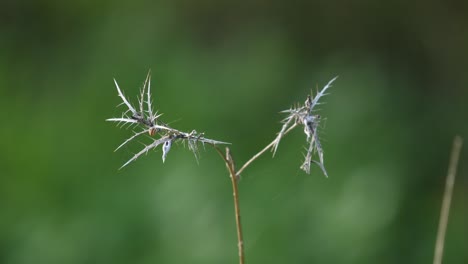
(228, 68)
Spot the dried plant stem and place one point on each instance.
(444, 212)
(235, 193)
(234, 176)
(297, 116)
(254, 157)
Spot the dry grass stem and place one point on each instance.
(444, 212)
(235, 194)
(269, 146)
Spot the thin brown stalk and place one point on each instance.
(254, 157)
(235, 193)
(444, 212)
(234, 176)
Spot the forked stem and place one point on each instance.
(234, 176)
(444, 212)
(235, 193)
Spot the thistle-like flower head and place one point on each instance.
(305, 115)
(149, 122)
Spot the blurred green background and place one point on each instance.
(228, 68)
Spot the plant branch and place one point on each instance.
(444, 212)
(228, 160)
(235, 193)
(263, 150)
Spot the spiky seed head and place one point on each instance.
(152, 126)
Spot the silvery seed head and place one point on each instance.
(149, 122)
(305, 115)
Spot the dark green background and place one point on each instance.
(228, 68)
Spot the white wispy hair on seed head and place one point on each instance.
(304, 115)
(151, 123)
